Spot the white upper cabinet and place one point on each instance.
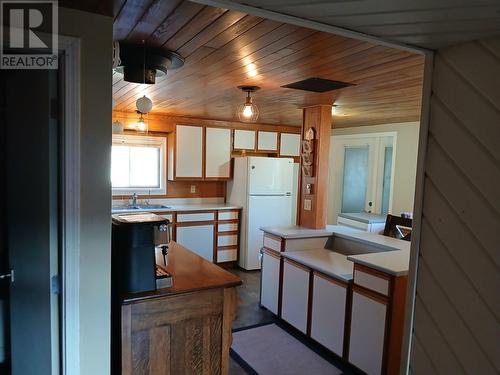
(244, 139)
(189, 151)
(267, 141)
(218, 153)
(290, 144)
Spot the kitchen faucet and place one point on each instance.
(134, 200)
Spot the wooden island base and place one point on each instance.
(185, 329)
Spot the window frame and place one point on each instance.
(143, 140)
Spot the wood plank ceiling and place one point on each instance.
(426, 23)
(225, 48)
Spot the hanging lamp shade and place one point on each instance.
(248, 111)
(144, 104)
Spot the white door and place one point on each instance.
(270, 280)
(218, 153)
(270, 175)
(361, 174)
(263, 211)
(197, 238)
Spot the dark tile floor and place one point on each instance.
(249, 311)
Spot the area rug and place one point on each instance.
(270, 350)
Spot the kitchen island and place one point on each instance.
(342, 287)
(182, 329)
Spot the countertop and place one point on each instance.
(294, 232)
(365, 217)
(392, 262)
(385, 243)
(190, 273)
(186, 207)
(325, 261)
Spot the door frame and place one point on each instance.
(70, 209)
(376, 167)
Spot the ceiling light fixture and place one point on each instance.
(248, 111)
(334, 109)
(144, 106)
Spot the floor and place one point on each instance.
(249, 311)
(250, 314)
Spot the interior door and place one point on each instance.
(29, 239)
(361, 174)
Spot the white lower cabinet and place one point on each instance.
(328, 313)
(366, 346)
(197, 238)
(294, 304)
(270, 274)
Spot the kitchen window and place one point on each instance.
(138, 165)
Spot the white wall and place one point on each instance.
(96, 35)
(405, 166)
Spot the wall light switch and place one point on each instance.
(307, 204)
(193, 189)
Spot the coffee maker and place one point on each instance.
(134, 240)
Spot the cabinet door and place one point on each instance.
(289, 144)
(267, 141)
(328, 313)
(189, 151)
(217, 153)
(244, 139)
(197, 238)
(295, 296)
(366, 346)
(269, 289)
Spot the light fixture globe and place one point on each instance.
(144, 104)
(248, 111)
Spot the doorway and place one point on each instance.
(30, 236)
(362, 173)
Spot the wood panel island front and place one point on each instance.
(184, 329)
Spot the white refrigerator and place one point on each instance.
(264, 187)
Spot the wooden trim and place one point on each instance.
(371, 271)
(227, 247)
(396, 327)
(229, 312)
(226, 234)
(271, 252)
(280, 286)
(194, 223)
(331, 279)
(310, 296)
(347, 323)
(297, 264)
(370, 294)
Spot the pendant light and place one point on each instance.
(143, 105)
(248, 111)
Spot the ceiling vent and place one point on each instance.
(142, 64)
(318, 85)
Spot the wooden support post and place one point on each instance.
(314, 189)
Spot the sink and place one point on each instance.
(139, 207)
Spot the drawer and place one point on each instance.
(227, 227)
(228, 215)
(227, 240)
(200, 216)
(273, 243)
(379, 283)
(229, 255)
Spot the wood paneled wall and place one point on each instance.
(457, 308)
(160, 125)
